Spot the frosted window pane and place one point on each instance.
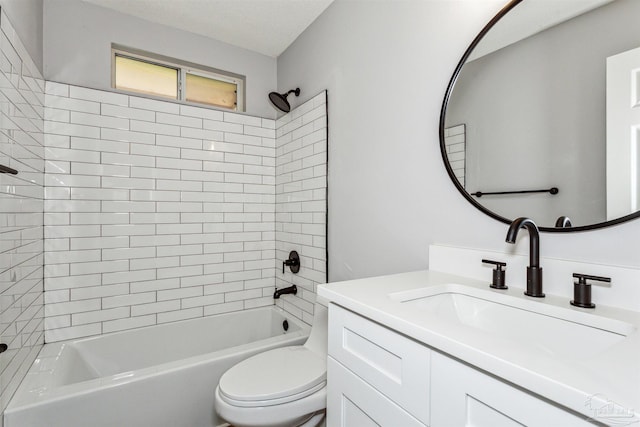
(143, 77)
(210, 91)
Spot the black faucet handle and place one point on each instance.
(582, 278)
(563, 222)
(498, 274)
(582, 289)
(498, 264)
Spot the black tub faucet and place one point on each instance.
(290, 290)
(534, 271)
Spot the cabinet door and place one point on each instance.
(464, 396)
(353, 403)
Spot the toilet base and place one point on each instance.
(314, 420)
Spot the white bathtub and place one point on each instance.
(157, 376)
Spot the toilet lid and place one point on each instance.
(278, 374)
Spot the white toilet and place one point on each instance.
(283, 387)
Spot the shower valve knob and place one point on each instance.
(293, 262)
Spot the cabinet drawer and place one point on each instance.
(353, 403)
(395, 365)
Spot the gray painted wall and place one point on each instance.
(26, 17)
(548, 128)
(77, 49)
(386, 66)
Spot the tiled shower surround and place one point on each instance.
(21, 206)
(154, 212)
(455, 143)
(301, 202)
(158, 211)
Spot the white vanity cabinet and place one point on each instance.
(378, 377)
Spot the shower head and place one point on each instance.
(279, 100)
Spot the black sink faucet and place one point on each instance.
(534, 271)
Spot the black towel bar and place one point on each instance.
(552, 190)
(7, 169)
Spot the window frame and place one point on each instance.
(183, 68)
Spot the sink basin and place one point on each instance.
(553, 330)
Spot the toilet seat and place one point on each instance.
(274, 377)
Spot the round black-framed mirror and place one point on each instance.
(486, 198)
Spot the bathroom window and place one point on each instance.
(162, 77)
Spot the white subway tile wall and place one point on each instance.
(301, 202)
(455, 140)
(156, 212)
(21, 207)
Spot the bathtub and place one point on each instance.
(162, 375)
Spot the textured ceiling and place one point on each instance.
(264, 26)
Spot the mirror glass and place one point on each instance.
(548, 98)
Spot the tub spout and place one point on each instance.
(290, 290)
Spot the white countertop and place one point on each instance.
(610, 378)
